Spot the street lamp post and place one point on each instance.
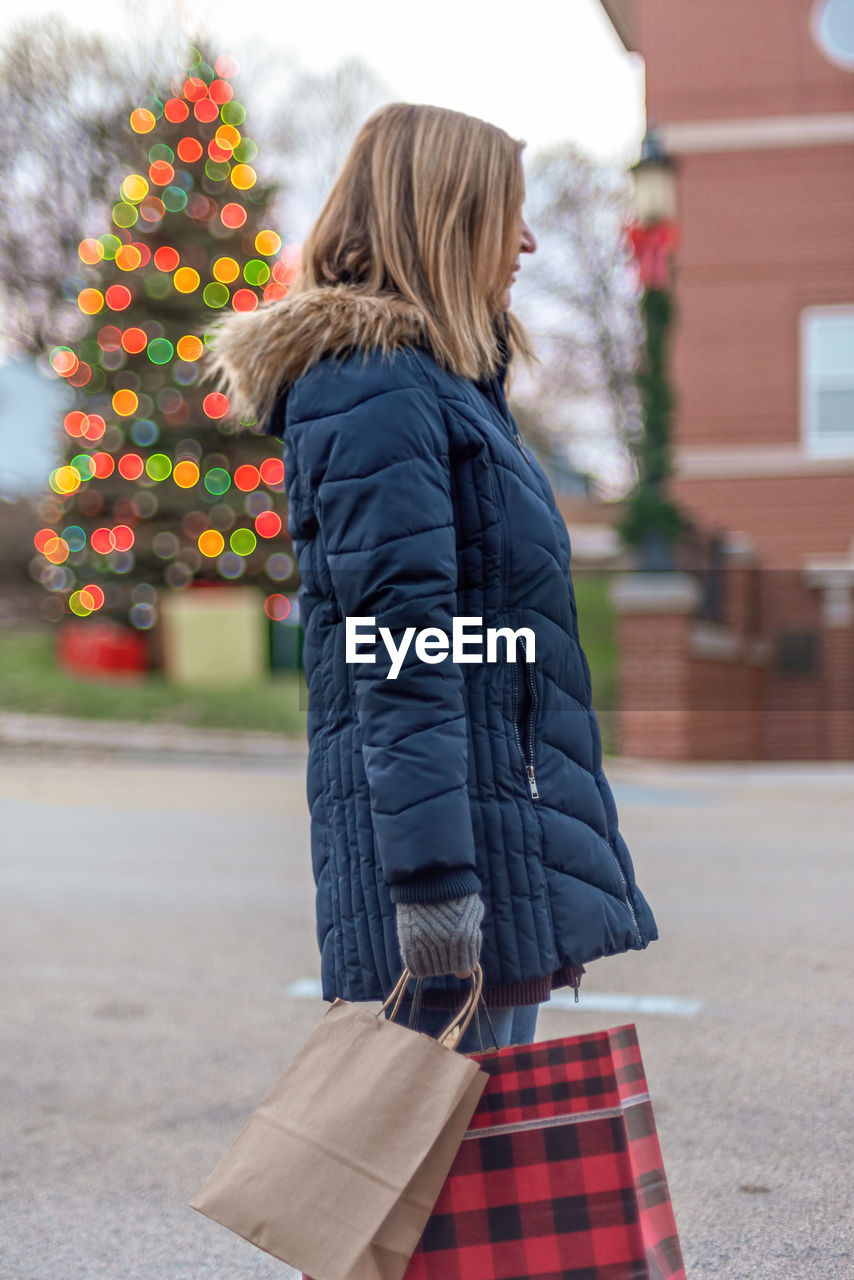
(652, 522)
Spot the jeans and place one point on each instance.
(512, 1026)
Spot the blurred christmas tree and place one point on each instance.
(156, 489)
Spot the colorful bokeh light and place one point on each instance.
(226, 270)
(227, 136)
(128, 258)
(93, 595)
(74, 423)
(134, 188)
(90, 301)
(142, 121)
(175, 110)
(243, 177)
(247, 478)
(134, 340)
(220, 92)
(195, 89)
(215, 404)
(186, 280)
(273, 472)
(233, 216)
(43, 538)
(244, 300)
(130, 466)
(94, 428)
(90, 251)
(166, 258)
(123, 537)
(160, 351)
(190, 347)
(256, 272)
(64, 479)
(104, 464)
(102, 540)
(125, 215)
(190, 150)
(206, 110)
(119, 297)
(217, 481)
(277, 607)
(268, 243)
(125, 402)
(56, 551)
(268, 524)
(64, 361)
(211, 543)
(185, 474)
(243, 542)
(161, 173)
(158, 466)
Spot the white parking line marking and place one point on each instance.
(605, 1002)
(304, 989)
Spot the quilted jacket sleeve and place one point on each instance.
(386, 518)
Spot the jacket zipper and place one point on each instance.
(524, 454)
(527, 761)
(505, 413)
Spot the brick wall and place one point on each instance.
(735, 58)
(772, 680)
(765, 232)
(786, 517)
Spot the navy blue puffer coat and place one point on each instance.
(413, 500)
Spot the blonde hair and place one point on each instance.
(428, 206)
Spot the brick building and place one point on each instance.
(755, 102)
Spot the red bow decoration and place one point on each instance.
(651, 245)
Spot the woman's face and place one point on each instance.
(527, 244)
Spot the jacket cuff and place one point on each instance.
(438, 888)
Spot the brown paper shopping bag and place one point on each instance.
(338, 1169)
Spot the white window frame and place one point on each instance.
(815, 445)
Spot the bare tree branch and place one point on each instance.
(578, 297)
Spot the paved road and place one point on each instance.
(154, 912)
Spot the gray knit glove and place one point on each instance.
(440, 937)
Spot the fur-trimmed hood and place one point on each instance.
(256, 355)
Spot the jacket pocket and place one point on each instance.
(525, 708)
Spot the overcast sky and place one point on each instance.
(550, 72)
(545, 70)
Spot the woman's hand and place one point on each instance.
(439, 938)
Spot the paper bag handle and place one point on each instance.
(399, 992)
(458, 1025)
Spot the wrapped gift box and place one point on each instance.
(214, 635)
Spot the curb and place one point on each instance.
(19, 730)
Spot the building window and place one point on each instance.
(797, 653)
(833, 29)
(827, 381)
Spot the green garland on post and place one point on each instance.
(650, 515)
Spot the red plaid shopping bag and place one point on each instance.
(559, 1176)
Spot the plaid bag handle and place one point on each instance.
(458, 1025)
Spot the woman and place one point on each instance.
(459, 813)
